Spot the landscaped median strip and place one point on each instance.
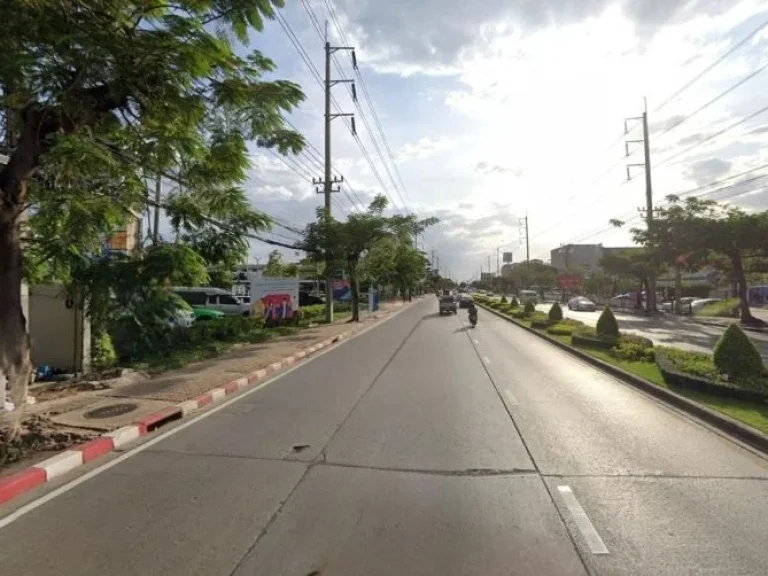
(15, 484)
(729, 425)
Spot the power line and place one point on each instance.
(712, 136)
(716, 98)
(701, 74)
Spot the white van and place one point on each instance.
(528, 296)
(214, 299)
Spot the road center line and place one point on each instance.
(595, 543)
(511, 400)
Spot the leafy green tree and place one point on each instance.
(334, 241)
(630, 264)
(103, 95)
(276, 265)
(409, 267)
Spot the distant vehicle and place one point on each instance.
(448, 304)
(186, 315)
(466, 301)
(213, 299)
(697, 305)
(528, 296)
(685, 305)
(622, 301)
(581, 304)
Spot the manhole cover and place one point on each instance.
(110, 411)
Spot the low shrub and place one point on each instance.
(519, 314)
(540, 324)
(607, 326)
(561, 329)
(503, 299)
(103, 353)
(555, 313)
(587, 336)
(514, 303)
(636, 340)
(633, 351)
(736, 355)
(725, 309)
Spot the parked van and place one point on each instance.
(213, 299)
(528, 296)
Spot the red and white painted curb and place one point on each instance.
(18, 483)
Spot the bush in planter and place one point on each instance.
(736, 355)
(556, 313)
(561, 329)
(514, 303)
(530, 308)
(633, 351)
(607, 325)
(588, 337)
(503, 299)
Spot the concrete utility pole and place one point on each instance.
(650, 301)
(527, 243)
(329, 180)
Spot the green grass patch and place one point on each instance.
(725, 309)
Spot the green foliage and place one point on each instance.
(316, 313)
(724, 309)
(561, 329)
(555, 313)
(607, 326)
(514, 303)
(736, 355)
(103, 353)
(633, 348)
(529, 308)
(503, 299)
(686, 362)
(277, 267)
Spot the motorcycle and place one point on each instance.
(473, 317)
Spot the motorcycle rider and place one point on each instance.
(472, 314)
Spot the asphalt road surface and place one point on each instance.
(667, 330)
(421, 448)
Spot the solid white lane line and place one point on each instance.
(486, 360)
(123, 434)
(511, 400)
(595, 543)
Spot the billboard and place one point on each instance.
(507, 257)
(274, 299)
(568, 281)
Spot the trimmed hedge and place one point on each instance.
(736, 355)
(588, 340)
(561, 329)
(529, 308)
(541, 324)
(696, 371)
(607, 325)
(514, 303)
(556, 313)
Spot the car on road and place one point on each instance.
(685, 305)
(213, 299)
(466, 301)
(448, 304)
(697, 305)
(581, 304)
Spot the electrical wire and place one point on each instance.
(701, 74)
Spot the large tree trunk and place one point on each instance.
(741, 281)
(15, 364)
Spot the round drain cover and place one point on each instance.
(110, 411)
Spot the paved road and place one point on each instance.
(667, 330)
(418, 448)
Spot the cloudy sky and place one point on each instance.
(497, 109)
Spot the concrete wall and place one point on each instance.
(61, 335)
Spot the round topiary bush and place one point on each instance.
(503, 299)
(607, 325)
(514, 303)
(529, 308)
(556, 313)
(736, 355)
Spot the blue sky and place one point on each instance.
(496, 109)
